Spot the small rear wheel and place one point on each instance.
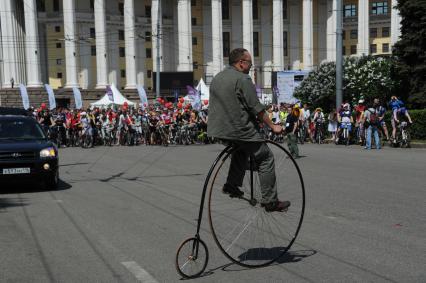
(191, 258)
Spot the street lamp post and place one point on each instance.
(339, 54)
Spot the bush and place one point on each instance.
(418, 129)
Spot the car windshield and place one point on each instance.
(20, 129)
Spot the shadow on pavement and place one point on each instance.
(6, 203)
(22, 187)
(290, 257)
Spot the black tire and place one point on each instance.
(190, 268)
(242, 229)
(51, 182)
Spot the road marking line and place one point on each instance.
(140, 273)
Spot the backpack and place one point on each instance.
(374, 119)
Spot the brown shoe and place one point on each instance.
(276, 206)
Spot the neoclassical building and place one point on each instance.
(93, 43)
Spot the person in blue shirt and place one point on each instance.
(398, 111)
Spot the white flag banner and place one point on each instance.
(51, 94)
(143, 97)
(77, 98)
(24, 95)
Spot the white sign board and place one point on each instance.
(285, 85)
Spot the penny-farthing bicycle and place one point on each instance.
(242, 229)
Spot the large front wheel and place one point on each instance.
(243, 230)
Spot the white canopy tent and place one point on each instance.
(118, 99)
(203, 89)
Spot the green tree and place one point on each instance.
(410, 51)
(366, 77)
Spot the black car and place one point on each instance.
(25, 151)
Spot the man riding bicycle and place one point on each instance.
(234, 110)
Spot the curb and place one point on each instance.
(413, 144)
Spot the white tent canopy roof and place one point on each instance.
(203, 89)
(119, 99)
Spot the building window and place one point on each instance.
(385, 47)
(349, 11)
(353, 49)
(344, 50)
(343, 34)
(149, 74)
(122, 52)
(58, 61)
(373, 48)
(92, 33)
(256, 44)
(55, 5)
(379, 8)
(225, 9)
(41, 5)
(373, 32)
(148, 11)
(255, 9)
(285, 43)
(123, 73)
(59, 75)
(57, 28)
(120, 34)
(194, 40)
(92, 5)
(121, 8)
(195, 65)
(148, 53)
(284, 9)
(93, 50)
(193, 2)
(226, 43)
(385, 32)
(58, 45)
(194, 21)
(147, 36)
(354, 34)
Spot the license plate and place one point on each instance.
(9, 171)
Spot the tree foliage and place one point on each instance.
(410, 51)
(366, 77)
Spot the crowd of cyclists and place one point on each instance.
(124, 126)
(165, 124)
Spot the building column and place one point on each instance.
(265, 43)
(156, 35)
(277, 43)
(395, 24)
(130, 38)
(363, 47)
(184, 35)
(113, 56)
(308, 35)
(32, 44)
(13, 59)
(70, 44)
(217, 41)
(247, 11)
(331, 30)
(101, 44)
(321, 32)
(85, 58)
(248, 30)
(294, 45)
(140, 67)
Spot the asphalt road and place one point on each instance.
(121, 213)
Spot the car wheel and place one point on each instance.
(51, 182)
